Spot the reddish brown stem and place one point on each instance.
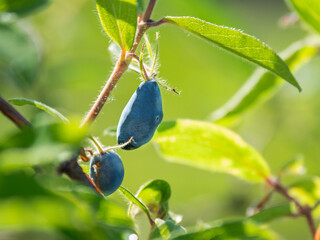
(262, 203)
(129, 54)
(138, 59)
(304, 210)
(120, 68)
(10, 112)
(156, 23)
(149, 10)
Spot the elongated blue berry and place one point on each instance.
(141, 116)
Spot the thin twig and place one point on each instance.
(83, 155)
(137, 58)
(304, 210)
(316, 205)
(142, 69)
(96, 144)
(119, 146)
(262, 203)
(149, 10)
(120, 68)
(130, 54)
(10, 112)
(151, 23)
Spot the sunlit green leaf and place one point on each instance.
(166, 230)
(274, 213)
(155, 195)
(211, 147)
(19, 55)
(20, 7)
(309, 11)
(240, 230)
(238, 43)
(262, 85)
(40, 105)
(307, 191)
(119, 20)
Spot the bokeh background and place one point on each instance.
(76, 63)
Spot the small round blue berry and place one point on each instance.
(107, 171)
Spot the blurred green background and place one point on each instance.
(76, 63)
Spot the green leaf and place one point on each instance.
(23, 139)
(166, 230)
(119, 20)
(113, 214)
(309, 11)
(44, 135)
(155, 195)
(237, 230)
(238, 43)
(15, 159)
(134, 200)
(40, 145)
(274, 213)
(307, 191)
(20, 7)
(26, 203)
(17, 180)
(19, 55)
(53, 112)
(262, 85)
(294, 167)
(211, 147)
(104, 209)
